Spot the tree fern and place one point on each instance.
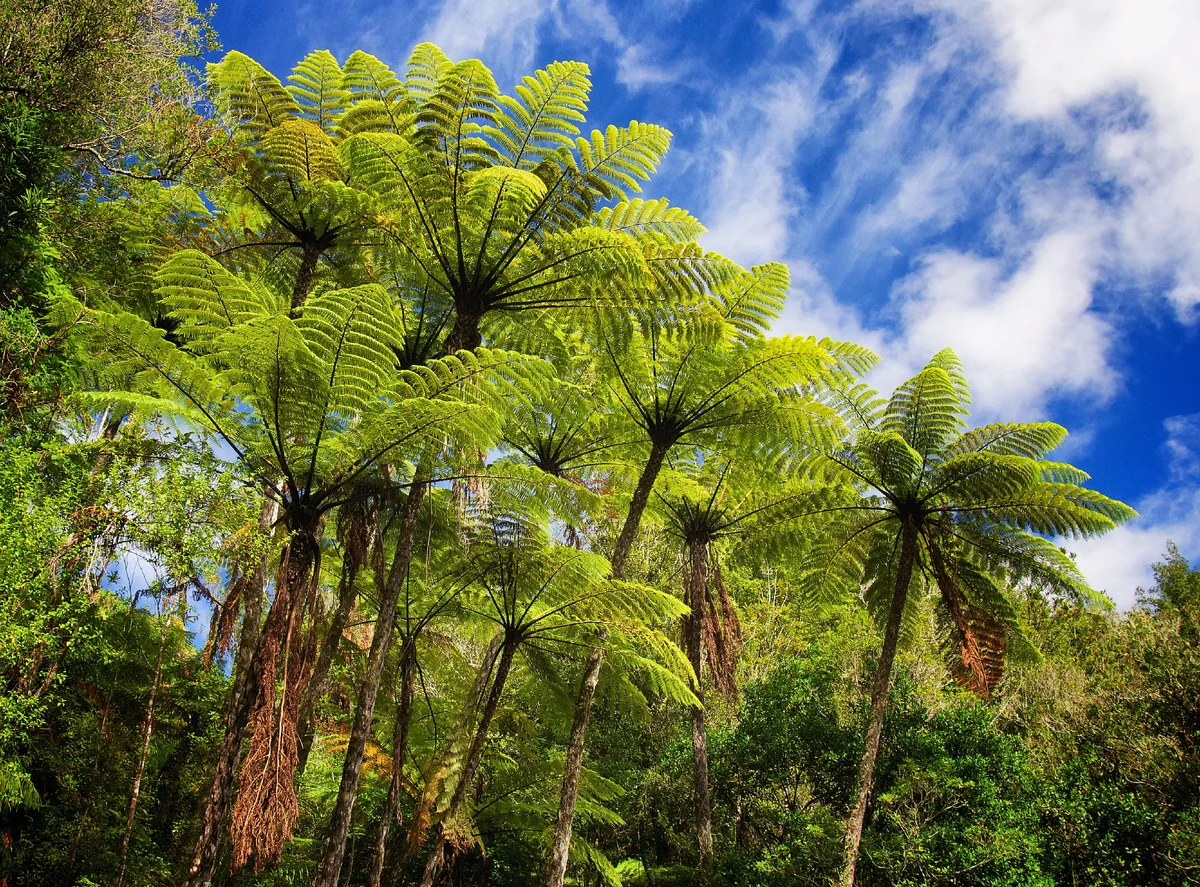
(945, 510)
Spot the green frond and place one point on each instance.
(977, 478)
(751, 302)
(271, 368)
(136, 357)
(352, 334)
(249, 96)
(317, 86)
(456, 114)
(613, 162)
(928, 410)
(683, 273)
(948, 361)
(544, 114)
(426, 67)
(378, 101)
(302, 151)
(583, 853)
(652, 217)
(892, 461)
(556, 497)
(858, 403)
(206, 299)
(850, 358)
(1032, 439)
(1058, 509)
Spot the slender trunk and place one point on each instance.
(437, 861)
(318, 685)
(407, 682)
(252, 611)
(698, 586)
(556, 867)
(637, 506)
(306, 276)
(147, 733)
(334, 847)
(465, 332)
(879, 697)
(242, 696)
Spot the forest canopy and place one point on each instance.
(394, 490)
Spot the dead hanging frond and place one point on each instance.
(973, 639)
(266, 809)
(220, 635)
(722, 634)
(975, 646)
(442, 773)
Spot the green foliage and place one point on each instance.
(369, 289)
(963, 505)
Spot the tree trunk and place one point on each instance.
(391, 813)
(242, 696)
(147, 733)
(318, 685)
(465, 332)
(556, 867)
(698, 586)
(637, 506)
(879, 698)
(437, 860)
(334, 847)
(306, 277)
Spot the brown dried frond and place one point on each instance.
(976, 641)
(722, 636)
(221, 636)
(266, 808)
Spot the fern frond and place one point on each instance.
(249, 96)
(612, 163)
(317, 87)
(426, 67)
(543, 115)
(206, 299)
(654, 217)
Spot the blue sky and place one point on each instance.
(1017, 180)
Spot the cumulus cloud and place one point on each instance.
(1021, 337)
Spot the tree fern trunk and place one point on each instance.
(572, 770)
(319, 683)
(637, 506)
(242, 696)
(407, 683)
(437, 860)
(306, 277)
(698, 586)
(556, 867)
(147, 734)
(879, 697)
(334, 847)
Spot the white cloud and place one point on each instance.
(1130, 66)
(1183, 447)
(1021, 337)
(1120, 562)
(637, 70)
(503, 31)
(752, 198)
